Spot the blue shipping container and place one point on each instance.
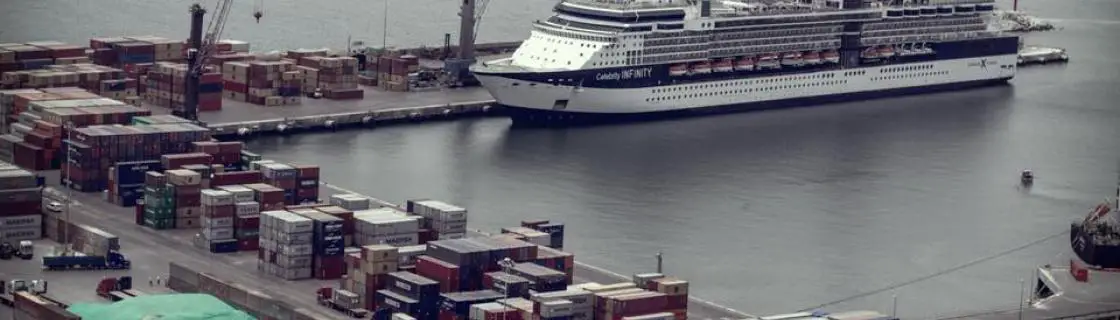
(397, 302)
(136, 58)
(415, 286)
(223, 246)
(133, 172)
(460, 303)
(210, 87)
(331, 252)
(29, 64)
(116, 85)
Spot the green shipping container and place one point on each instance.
(159, 224)
(155, 201)
(159, 213)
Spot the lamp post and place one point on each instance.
(69, 189)
(659, 261)
(506, 265)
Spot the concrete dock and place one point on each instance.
(1098, 299)
(152, 250)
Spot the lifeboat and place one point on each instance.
(792, 59)
(724, 65)
(870, 53)
(768, 61)
(812, 57)
(831, 56)
(744, 64)
(885, 51)
(702, 67)
(677, 70)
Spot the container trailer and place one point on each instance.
(113, 260)
(341, 301)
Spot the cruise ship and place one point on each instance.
(597, 60)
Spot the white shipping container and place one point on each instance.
(450, 236)
(385, 221)
(655, 316)
(248, 208)
(402, 316)
(293, 238)
(256, 165)
(293, 261)
(579, 298)
(20, 234)
(291, 223)
(34, 220)
(212, 197)
(556, 308)
(449, 226)
(218, 233)
(240, 193)
(294, 249)
(408, 254)
(226, 222)
(182, 177)
(396, 240)
(478, 311)
(352, 202)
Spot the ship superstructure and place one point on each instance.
(596, 59)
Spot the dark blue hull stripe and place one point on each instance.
(538, 117)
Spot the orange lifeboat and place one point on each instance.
(744, 64)
(831, 56)
(768, 61)
(724, 65)
(886, 51)
(812, 57)
(702, 67)
(870, 53)
(677, 70)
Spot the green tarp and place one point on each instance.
(163, 307)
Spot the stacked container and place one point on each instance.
(444, 220)
(284, 177)
(185, 188)
(578, 302)
(676, 291)
(497, 311)
(507, 284)
(475, 256)
(20, 198)
(556, 260)
(92, 240)
(158, 119)
(286, 245)
(126, 181)
(352, 202)
(269, 83)
(411, 294)
(247, 217)
(269, 197)
(337, 77)
(235, 178)
(328, 243)
(35, 55)
(368, 272)
(392, 72)
(457, 305)
(227, 154)
(218, 214)
(159, 203)
(555, 231)
(307, 183)
(166, 86)
(447, 274)
(164, 49)
(541, 279)
(94, 149)
(347, 217)
(386, 226)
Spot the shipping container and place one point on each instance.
(459, 303)
(448, 275)
(424, 290)
(505, 283)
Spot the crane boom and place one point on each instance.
(200, 49)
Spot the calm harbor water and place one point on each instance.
(765, 212)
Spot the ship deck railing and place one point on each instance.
(629, 4)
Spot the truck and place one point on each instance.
(25, 251)
(342, 301)
(116, 289)
(9, 289)
(112, 260)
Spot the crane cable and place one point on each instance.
(939, 273)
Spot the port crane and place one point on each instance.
(199, 49)
(470, 17)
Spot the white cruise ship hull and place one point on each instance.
(547, 102)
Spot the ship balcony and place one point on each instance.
(934, 37)
(917, 31)
(752, 50)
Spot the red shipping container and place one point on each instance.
(307, 193)
(231, 178)
(272, 206)
(675, 302)
(209, 147)
(504, 314)
(139, 214)
(286, 184)
(188, 200)
(307, 171)
(328, 268)
(212, 105)
(248, 222)
(219, 211)
(175, 161)
(445, 273)
(252, 244)
(636, 304)
(210, 78)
